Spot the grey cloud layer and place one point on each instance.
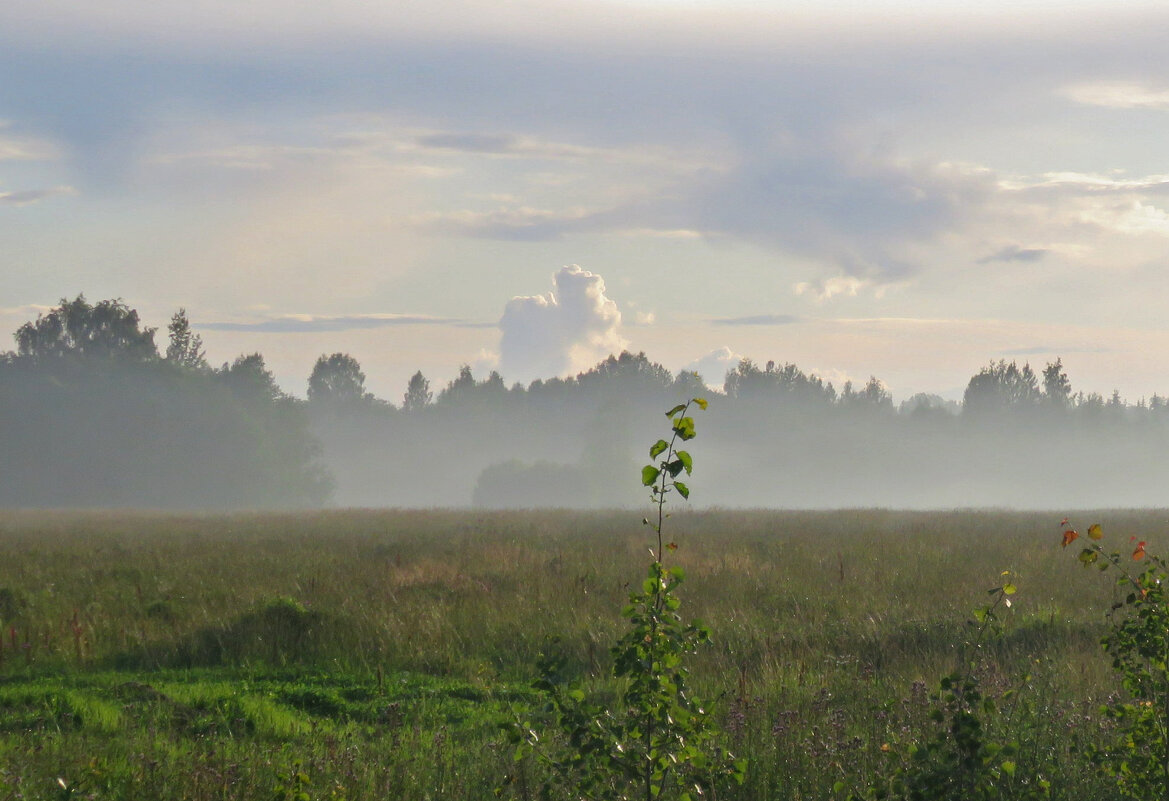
(758, 319)
(312, 324)
(805, 141)
(27, 196)
(1015, 253)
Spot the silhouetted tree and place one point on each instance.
(458, 389)
(418, 394)
(689, 384)
(872, 396)
(1057, 390)
(110, 329)
(740, 381)
(999, 387)
(186, 347)
(464, 390)
(786, 383)
(493, 385)
(627, 370)
(337, 380)
(248, 377)
(97, 418)
(927, 404)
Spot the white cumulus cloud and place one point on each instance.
(714, 366)
(1118, 94)
(563, 332)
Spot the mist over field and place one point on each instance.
(94, 415)
(777, 439)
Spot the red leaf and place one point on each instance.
(1069, 537)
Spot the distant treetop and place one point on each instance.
(107, 330)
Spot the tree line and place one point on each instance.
(93, 414)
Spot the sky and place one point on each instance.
(902, 189)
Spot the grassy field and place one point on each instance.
(370, 654)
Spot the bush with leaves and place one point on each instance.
(657, 741)
(963, 759)
(1139, 646)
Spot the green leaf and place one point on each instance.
(675, 410)
(684, 428)
(686, 461)
(702, 403)
(1088, 556)
(658, 447)
(1009, 768)
(649, 474)
(1010, 589)
(674, 468)
(683, 490)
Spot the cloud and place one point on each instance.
(1041, 350)
(857, 216)
(1014, 253)
(662, 233)
(307, 323)
(27, 310)
(826, 288)
(468, 143)
(1094, 183)
(834, 164)
(714, 366)
(523, 224)
(1133, 217)
(1117, 94)
(834, 376)
(758, 319)
(24, 148)
(563, 332)
(527, 147)
(1031, 351)
(29, 196)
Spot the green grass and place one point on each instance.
(164, 656)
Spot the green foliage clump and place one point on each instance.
(1138, 643)
(963, 759)
(12, 604)
(278, 631)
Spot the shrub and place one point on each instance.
(656, 740)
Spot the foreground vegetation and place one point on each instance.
(375, 654)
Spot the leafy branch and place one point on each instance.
(1139, 646)
(662, 478)
(657, 741)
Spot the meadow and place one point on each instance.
(375, 654)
